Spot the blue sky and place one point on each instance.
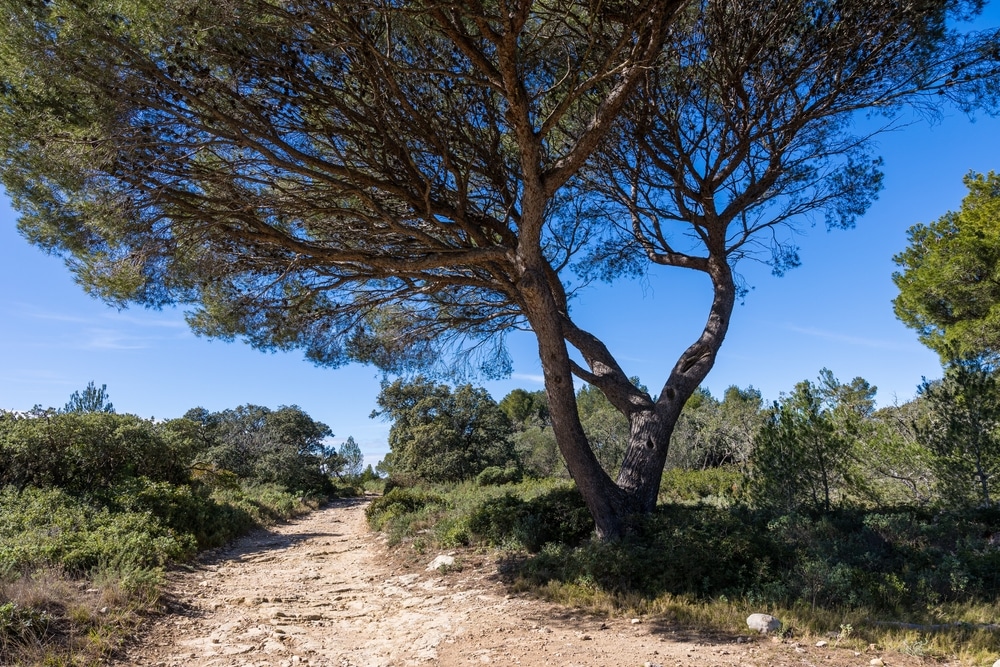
(834, 311)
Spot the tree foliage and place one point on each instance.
(284, 446)
(91, 399)
(949, 286)
(438, 434)
(83, 452)
(712, 433)
(352, 458)
(388, 182)
(962, 431)
(805, 455)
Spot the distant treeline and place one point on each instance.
(824, 445)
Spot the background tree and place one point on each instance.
(82, 451)
(91, 399)
(399, 180)
(533, 437)
(899, 467)
(525, 407)
(713, 433)
(962, 430)
(606, 428)
(442, 435)
(284, 446)
(949, 288)
(354, 460)
(806, 451)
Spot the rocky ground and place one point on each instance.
(323, 591)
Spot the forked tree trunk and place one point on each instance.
(612, 504)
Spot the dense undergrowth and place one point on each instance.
(703, 558)
(94, 507)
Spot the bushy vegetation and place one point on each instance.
(87, 495)
(819, 506)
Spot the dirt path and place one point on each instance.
(324, 591)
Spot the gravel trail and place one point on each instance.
(324, 591)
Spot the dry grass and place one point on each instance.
(58, 621)
(964, 635)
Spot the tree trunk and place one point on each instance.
(642, 467)
(605, 501)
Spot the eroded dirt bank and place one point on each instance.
(323, 591)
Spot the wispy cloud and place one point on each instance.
(149, 320)
(848, 339)
(159, 322)
(527, 377)
(113, 339)
(31, 311)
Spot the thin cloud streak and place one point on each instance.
(850, 340)
(537, 379)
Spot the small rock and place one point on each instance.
(583, 636)
(636, 621)
(93, 590)
(996, 664)
(876, 662)
(102, 610)
(799, 649)
(441, 561)
(763, 623)
(820, 643)
(203, 583)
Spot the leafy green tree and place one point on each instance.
(805, 453)
(91, 399)
(962, 430)
(390, 182)
(354, 460)
(83, 452)
(533, 438)
(284, 446)
(524, 407)
(898, 467)
(442, 435)
(607, 429)
(713, 433)
(949, 286)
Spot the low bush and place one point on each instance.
(495, 476)
(724, 483)
(48, 527)
(559, 515)
(398, 503)
(21, 626)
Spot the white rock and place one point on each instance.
(996, 664)
(441, 561)
(876, 662)
(821, 643)
(763, 623)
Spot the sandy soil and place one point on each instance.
(324, 591)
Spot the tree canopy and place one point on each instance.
(91, 399)
(442, 435)
(949, 286)
(403, 182)
(284, 446)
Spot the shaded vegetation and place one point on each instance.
(94, 505)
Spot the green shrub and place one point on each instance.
(397, 503)
(84, 452)
(495, 476)
(22, 625)
(50, 527)
(679, 485)
(558, 515)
